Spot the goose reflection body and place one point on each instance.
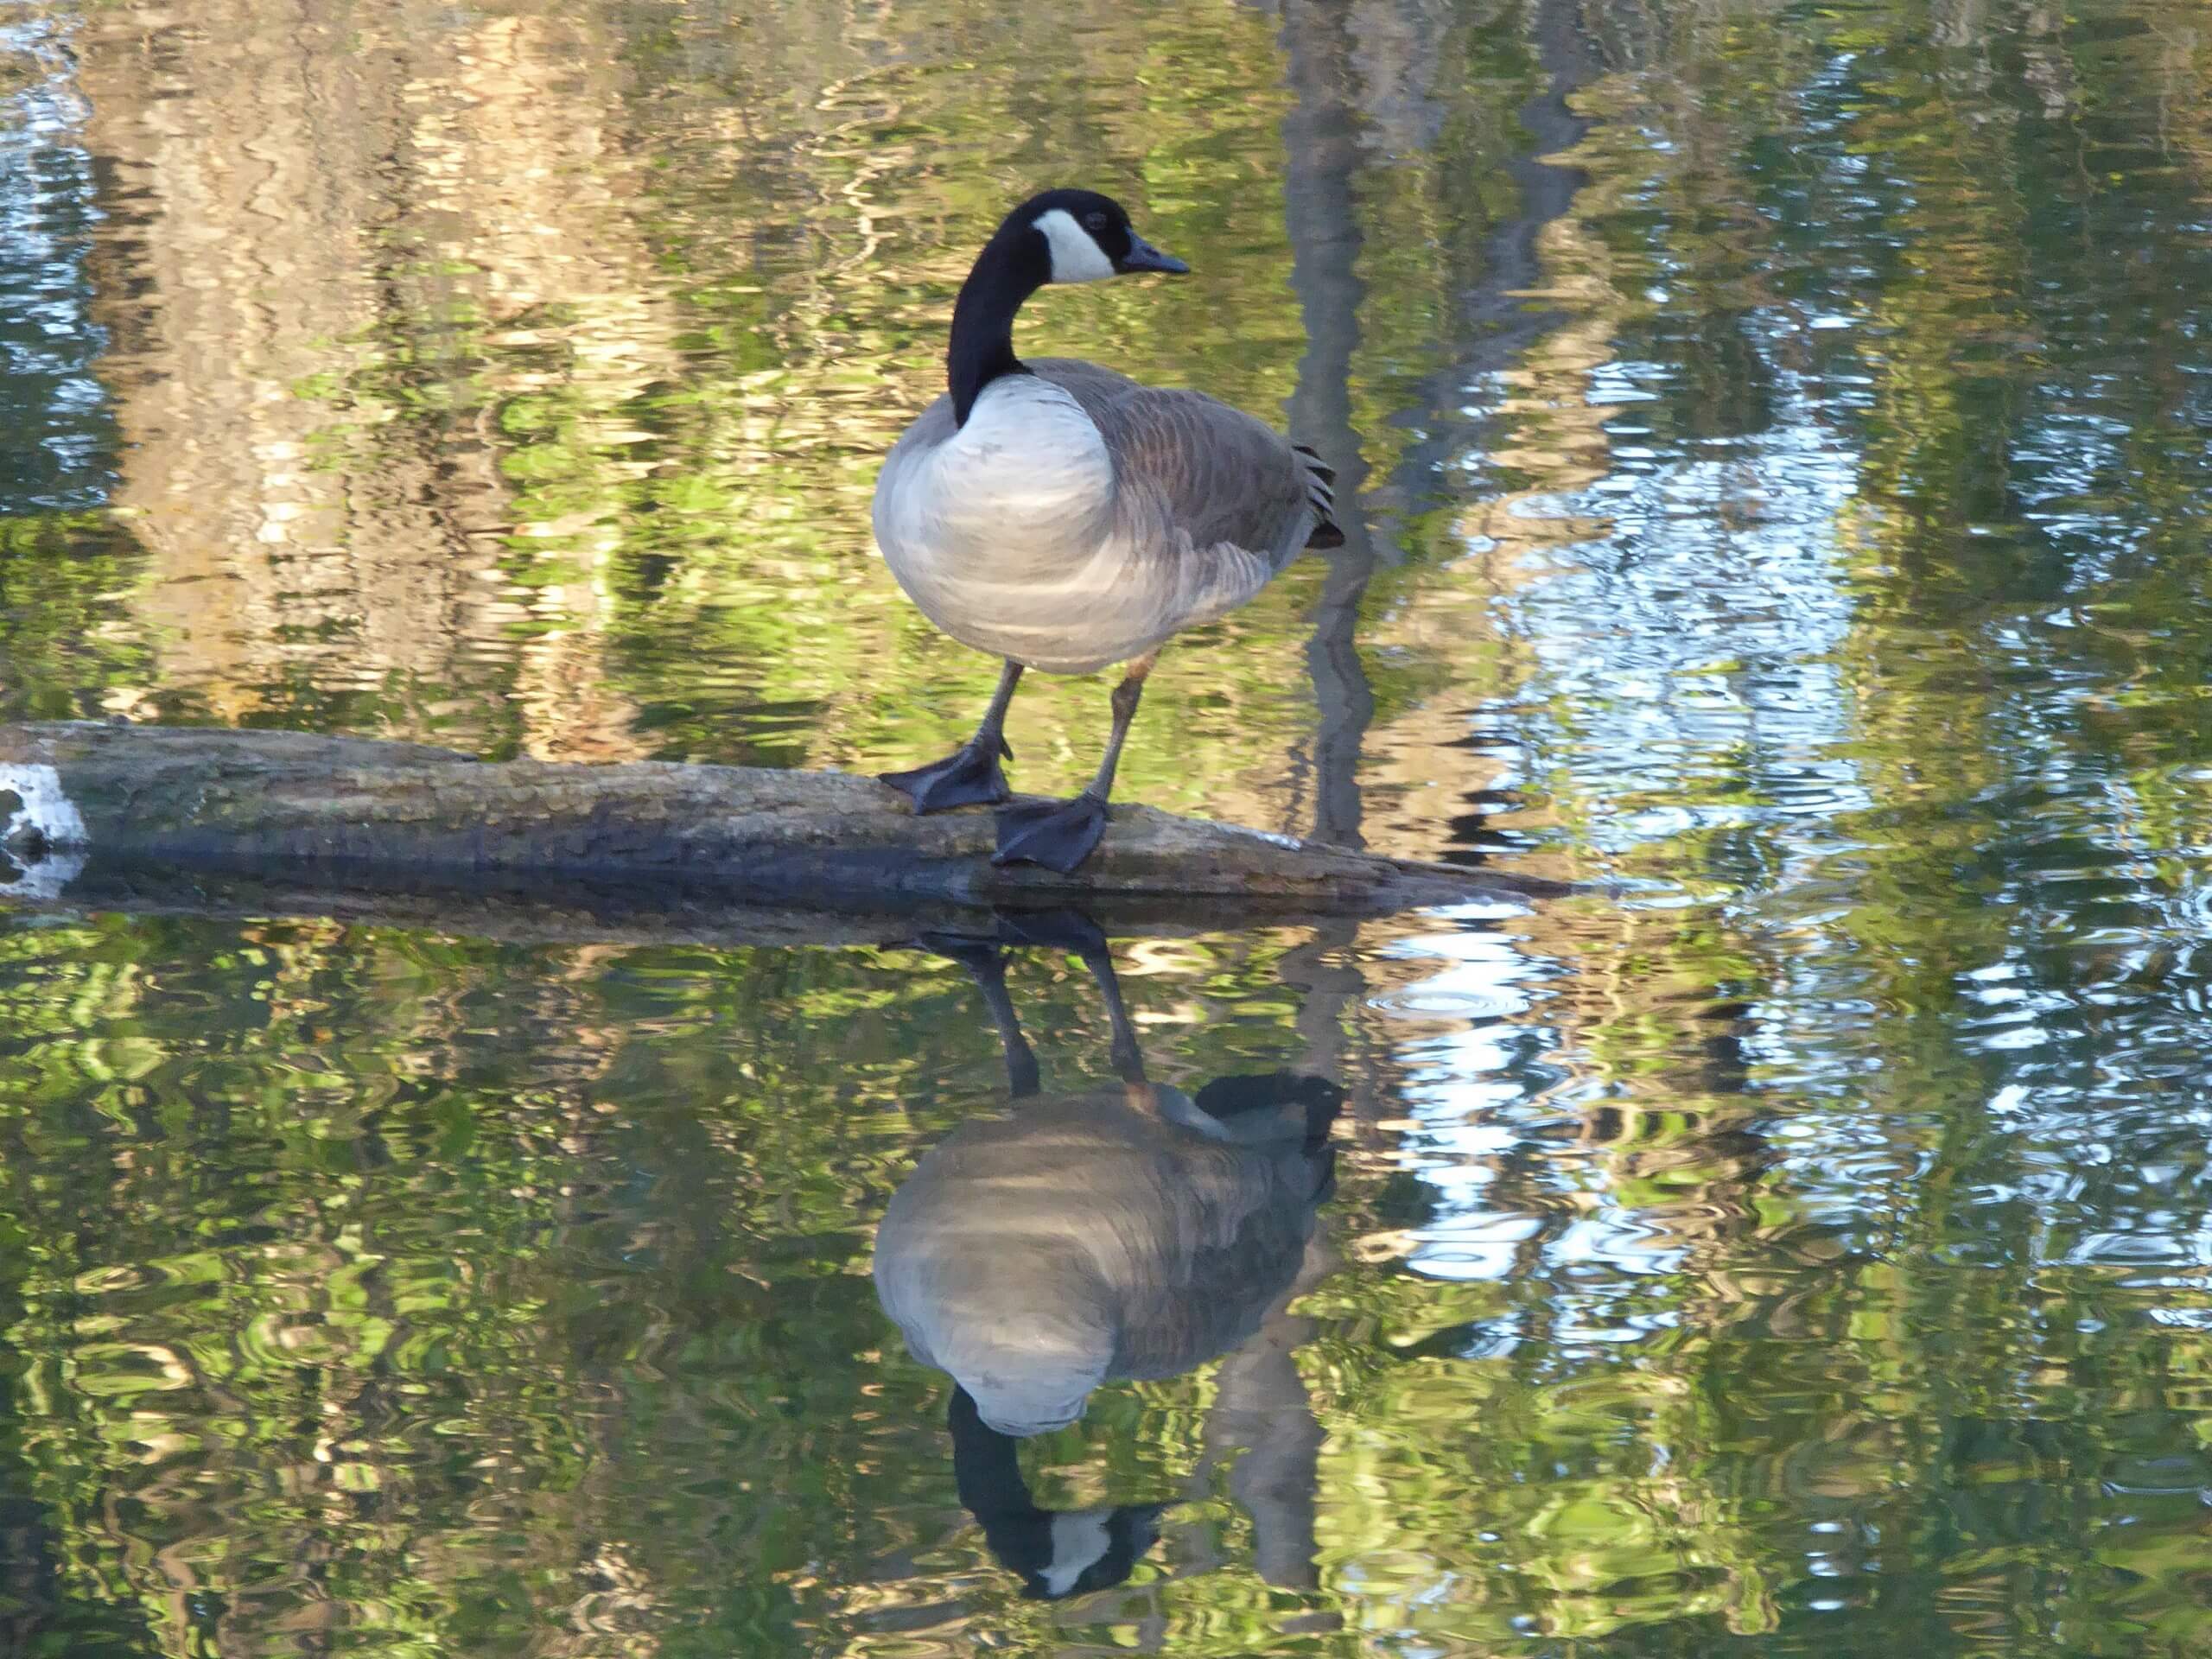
(1064, 516)
(1129, 1233)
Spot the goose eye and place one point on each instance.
(1094, 222)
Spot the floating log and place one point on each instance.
(80, 801)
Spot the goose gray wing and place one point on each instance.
(1202, 486)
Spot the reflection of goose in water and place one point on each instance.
(1124, 1233)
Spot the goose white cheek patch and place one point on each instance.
(1076, 257)
(50, 819)
(1079, 1537)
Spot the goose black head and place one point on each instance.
(1087, 237)
(1062, 236)
(1083, 1551)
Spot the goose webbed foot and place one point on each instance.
(1059, 835)
(969, 776)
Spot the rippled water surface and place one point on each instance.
(1781, 437)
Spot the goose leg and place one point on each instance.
(969, 776)
(1127, 1059)
(987, 966)
(1059, 835)
(1081, 938)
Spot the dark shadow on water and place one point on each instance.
(555, 908)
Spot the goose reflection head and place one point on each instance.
(1055, 1553)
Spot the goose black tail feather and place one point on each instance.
(1320, 478)
(1315, 464)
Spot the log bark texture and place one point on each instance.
(341, 811)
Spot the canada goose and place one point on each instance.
(1062, 517)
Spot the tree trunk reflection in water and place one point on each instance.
(1262, 1403)
(1324, 159)
(1323, 156)
(1499, 324)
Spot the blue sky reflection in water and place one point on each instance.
(1782, 441)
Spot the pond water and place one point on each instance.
(1778, 437)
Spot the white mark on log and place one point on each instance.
(1267, 835)
(45, 808)
(51, 820)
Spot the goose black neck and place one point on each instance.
(1012, 265)
(987, 1475)
(985, 1470)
